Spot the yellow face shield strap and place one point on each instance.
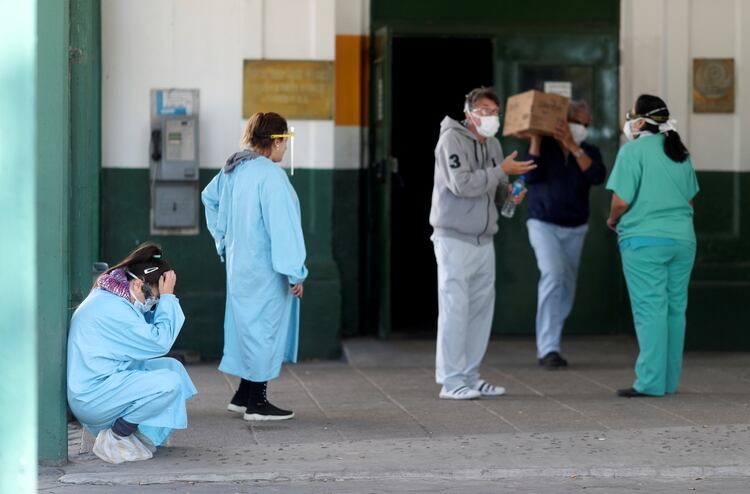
(289, 135)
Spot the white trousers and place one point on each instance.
(466, 302)
(558, 254)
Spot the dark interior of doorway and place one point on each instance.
(430, 78)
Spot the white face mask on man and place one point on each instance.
(579, 132)
(488, 124)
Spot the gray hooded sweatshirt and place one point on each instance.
(467, 174)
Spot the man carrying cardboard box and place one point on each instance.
(557, 223)
(469, 166)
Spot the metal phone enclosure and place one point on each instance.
(174, 166)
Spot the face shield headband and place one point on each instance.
(288, 135)
(665, 125)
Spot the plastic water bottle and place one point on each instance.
(509, 208)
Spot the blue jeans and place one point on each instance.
(558, 254)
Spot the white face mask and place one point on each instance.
(144, 306)
(488, 126)
(578, 131)
(627, 129)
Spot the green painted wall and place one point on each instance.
(482, 13)
(201, 276)
(718, 313)
(18, 276)
(347, 242)
(718, 309)
(53, 191)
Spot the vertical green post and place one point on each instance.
(18, 280)
(53, 191)
(85, 129)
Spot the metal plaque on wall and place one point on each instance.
(296, 89)
(713, 85)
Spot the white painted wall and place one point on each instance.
(352, 19)
(659, 39)
(201, 44)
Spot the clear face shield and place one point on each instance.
(289, 136)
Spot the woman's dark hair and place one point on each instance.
(141, 262)
(259, 129)
(657, 110)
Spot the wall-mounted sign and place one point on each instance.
(713, 85)
(296, 89)
(563, 88)
(174, 102)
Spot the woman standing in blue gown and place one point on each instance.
(253, 214)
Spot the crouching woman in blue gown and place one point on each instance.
(120, 387)
(253, 214)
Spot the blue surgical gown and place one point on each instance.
(116, 368)
(253, 215)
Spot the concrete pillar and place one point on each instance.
(18, 285)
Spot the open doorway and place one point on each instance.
(430, 78)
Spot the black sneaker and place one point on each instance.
(239, 400)
(630, 393)
(265, 411)
(238, 404)
(553, 361)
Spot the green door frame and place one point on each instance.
(379, 175)
(68, 154)
(599, 52)
(53, 186)
(85, 132)
(382, 164)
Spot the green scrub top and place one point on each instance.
(657, 190)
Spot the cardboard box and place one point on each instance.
(535, 111)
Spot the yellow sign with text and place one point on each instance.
(295, 89)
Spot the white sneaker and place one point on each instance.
(487, 389)
(236, 408)
(462, 393)
(115, 449)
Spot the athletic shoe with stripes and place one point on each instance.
(461, 393)
(487, 389)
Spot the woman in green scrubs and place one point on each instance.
(653, 184)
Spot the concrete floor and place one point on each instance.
(373, 421)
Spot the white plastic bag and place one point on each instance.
(115, 449)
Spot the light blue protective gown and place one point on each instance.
(114, 369)
(253, 215)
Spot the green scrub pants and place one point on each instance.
(657, 277)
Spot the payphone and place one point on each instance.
(173, 162)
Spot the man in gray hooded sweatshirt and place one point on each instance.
(469, 167)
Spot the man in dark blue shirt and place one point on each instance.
(558, 211)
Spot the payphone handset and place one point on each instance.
(174, 149)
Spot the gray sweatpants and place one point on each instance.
(466, 302)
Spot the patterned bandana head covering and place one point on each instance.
(115, 282)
